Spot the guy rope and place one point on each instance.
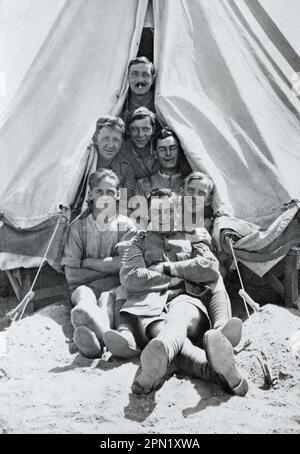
(17, 313)
(262, 357)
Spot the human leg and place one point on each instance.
(220, 356)
(219, 310)
(121, 342)
(89, 321)
(182, 319)
(86, 311)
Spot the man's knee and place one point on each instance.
(83, 293)
(184, 311)
(190, 316)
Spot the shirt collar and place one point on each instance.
(164, 175)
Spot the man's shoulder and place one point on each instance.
(126, 148)
(144, 182)
(122, 162)
(140, 238)
(149, 237)
(75, 227)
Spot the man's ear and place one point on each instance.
(90, 195)
(208, 200)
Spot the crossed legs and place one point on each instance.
(171, 340)
(168, 337)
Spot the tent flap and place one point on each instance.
(78, 75)
(223, 84)
(235, 114)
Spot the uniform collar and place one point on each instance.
(164, 175)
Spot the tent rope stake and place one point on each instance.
(262, 357)
(18, 312)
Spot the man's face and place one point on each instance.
(167, 151)
(163, 213)
(104, 195)
(109, 142)
(200, 192)
(140, 78)
(141, 131)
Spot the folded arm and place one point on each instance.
(135, 275)
(108, 265)
(202, 268)
(81, 276)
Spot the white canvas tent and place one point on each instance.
(223, 83)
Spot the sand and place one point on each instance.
(46, 386)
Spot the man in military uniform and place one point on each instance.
(169, 175)
(170, 281)
(141, 76)
(171, 172)
(105, 151)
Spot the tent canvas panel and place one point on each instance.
(233, 110)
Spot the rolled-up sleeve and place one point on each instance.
(73, 251)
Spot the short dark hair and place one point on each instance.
(160, 193)
(199, 176)
(108, 121)
(139, 114)
(96, 177)
(142, 60)
(163, 134)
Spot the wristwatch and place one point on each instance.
(167, 269)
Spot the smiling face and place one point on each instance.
(109, 141)
(140, 132)
(103, 195)
(162, 214)
(200, 191)
(140, 78)
(167, 151)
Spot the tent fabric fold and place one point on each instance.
(222, 84)
(235, 116)
(78, 75)
(33, 242)
(257, 248)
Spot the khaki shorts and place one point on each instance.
(144, 322)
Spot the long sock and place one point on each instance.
(192, 360)
(173, 341)
(219, 308)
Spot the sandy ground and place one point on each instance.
(47, 387)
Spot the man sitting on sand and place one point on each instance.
(92, 261)
(171, 282)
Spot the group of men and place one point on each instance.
(144, 281)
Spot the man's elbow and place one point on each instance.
(71, 275)
(129, 279)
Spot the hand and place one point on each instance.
(175, 282)
(201, 236)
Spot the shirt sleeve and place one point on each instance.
(202, 268)
(73, 251)
(135, 275)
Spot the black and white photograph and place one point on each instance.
(149, 220)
